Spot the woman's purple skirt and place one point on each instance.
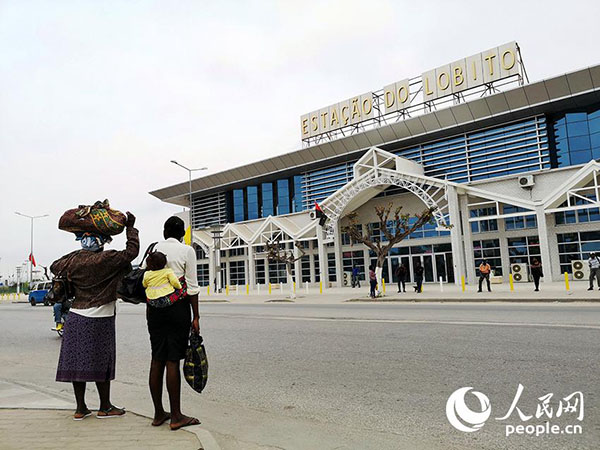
(88, 350)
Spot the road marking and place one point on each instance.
(405, 321)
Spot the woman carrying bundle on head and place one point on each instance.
(88, 350)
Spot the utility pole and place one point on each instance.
(190, 193)
(18, 280)
(31, 258)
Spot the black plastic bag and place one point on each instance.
(195, 366)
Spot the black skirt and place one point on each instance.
(169, 330)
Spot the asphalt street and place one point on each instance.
(355, 376)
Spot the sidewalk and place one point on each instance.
(34, 420)
(432, 292)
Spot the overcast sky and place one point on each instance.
(97, 96)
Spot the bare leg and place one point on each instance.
(174, 388)
(157, 371)
(79, 388)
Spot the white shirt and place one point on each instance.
(182, 259)
(108, 310)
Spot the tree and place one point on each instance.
(394, 230)
(275, 253)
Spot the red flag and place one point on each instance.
(32, 259)
(318, 208)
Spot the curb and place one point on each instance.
(473, 300)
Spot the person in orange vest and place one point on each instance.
(484, 274)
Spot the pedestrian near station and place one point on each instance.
(400, 273)
(372, 282)
(536, 272)
(355, 279)
(419, 277)
(594, 263)
(484, 274)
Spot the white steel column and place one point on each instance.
(337, 248)
(322, 257)
(251, 267)
(313, 277)
(455, 235)
(467, 240)
(211, 266)
(297, 267)
(227, 271)
(549, 271)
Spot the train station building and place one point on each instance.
(509, 165)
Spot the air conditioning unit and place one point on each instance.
(526, 181)
(312, 215)
(519, 273)
(347, 279)
(581, 270)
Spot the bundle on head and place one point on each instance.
(98, 219)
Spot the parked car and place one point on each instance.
(38, 293)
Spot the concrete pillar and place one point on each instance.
(549, 271)
(322, 257)
(467, 240)
(337, 248)
(313, 278)
(267, 279)
(297, 267)
(211, 266)
(227, 272)
(455, 235)
(251, 275)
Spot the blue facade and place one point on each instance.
(509, 149)
(577, 137)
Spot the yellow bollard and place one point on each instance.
(294, 286)
(567, 280)
(462, 282)
(227, 290)
(247, 289)
(269, 288)
(208, 290)
(320, 287)
(421, 288)
(510, 281)
(383, 284)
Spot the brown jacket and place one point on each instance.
(94, 275)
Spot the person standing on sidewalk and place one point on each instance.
(401, 276)
(169, 326)
(419, 277)
(536, 272)
(88, 349)
(484, 274)
(372, 282)
(355, 279)
(594, 263)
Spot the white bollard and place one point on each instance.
(306, 288)
(441, 285)
(281, 287)
(237, 289)
(291, 289)
(258, 288)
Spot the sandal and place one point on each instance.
(82, 415)
(188, 423)
(111, 412)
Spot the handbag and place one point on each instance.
(61, 290)
(130, 288)
(195, 365)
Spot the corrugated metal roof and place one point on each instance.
(577, 88)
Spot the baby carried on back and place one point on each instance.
(160, 281)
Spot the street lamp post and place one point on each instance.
(32, 218)
(190, 189)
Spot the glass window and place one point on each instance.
(298, 200)
(267, 199)
(252, 194)
(490, 250)
(237, 273)
(283, 197)
(238, 205)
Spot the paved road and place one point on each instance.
(353, 376)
